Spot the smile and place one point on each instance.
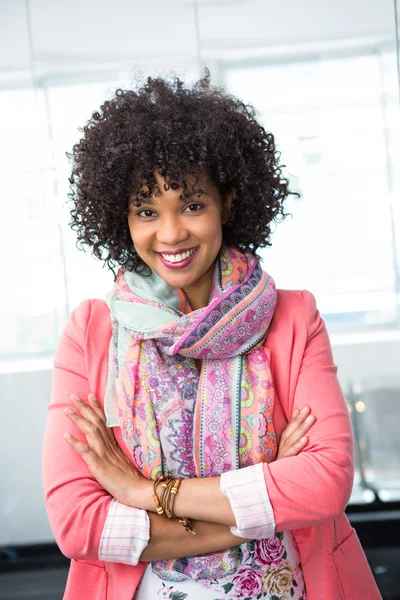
(178, 260)
(179, 257)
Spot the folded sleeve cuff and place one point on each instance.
(126, 534)
(248, 496)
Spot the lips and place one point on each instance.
(177, 260)
(177, 257)
(175, 251)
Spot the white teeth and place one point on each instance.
(174, 258)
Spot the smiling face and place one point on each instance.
(179, 238)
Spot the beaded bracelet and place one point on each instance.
(168, 498)
(159, 506)
(165, 494)
(187, 523)
(165, 503)
(173, 493)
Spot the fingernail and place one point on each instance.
(69, 411)
(67, 435)
(75, 397)
(303, 439)
(304, 410)
(309, 418)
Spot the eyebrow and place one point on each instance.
(142, 201)
(150, 202)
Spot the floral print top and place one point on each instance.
(268, 569)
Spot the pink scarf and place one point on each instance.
(172, 417)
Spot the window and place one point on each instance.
(336, 121)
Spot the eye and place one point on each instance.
(146, 213)
(194, 207)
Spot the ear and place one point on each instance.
(226, 210)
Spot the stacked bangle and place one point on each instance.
(157, 482)
(165, 500)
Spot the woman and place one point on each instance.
(195, 372)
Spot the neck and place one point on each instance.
(198, 293)
(198, 297)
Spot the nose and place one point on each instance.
(172, 231)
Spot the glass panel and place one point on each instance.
(334, 109)
(41, 111)
(377, 404)
(32, 309)
(361, 493)
(335, 138)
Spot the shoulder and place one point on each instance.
(92, 315)
(89, 310)
(85, 336)
(296, 308)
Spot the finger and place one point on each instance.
(307, 423)
(87, 411)
(298, 431)
(295, 448)
(95, 414)
(299, 416)
(98, 409)
(94, 435)
(295, 422)
(87, 453)
(294, 414)
(87, 427)
(81, 448)
(302, 414)
(301, 426)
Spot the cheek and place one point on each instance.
(211, 229)
(216, 234)
(138, 235)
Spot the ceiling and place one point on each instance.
(81, 37)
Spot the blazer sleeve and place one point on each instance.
(315, 485)
(83, 516)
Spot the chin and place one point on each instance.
(179, 281)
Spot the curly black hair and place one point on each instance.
(176, 130)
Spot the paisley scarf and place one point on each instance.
(173, 417)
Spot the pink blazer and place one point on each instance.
(308, 492)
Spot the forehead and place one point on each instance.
(192, 185)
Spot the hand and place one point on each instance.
(103, 456)
(293, 439)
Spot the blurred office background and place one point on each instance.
(324, 78)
